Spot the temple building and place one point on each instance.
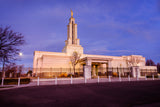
(47, 63)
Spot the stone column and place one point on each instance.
(135, 71)
(94, 70)
(87, 69)
(103, 68)
(109, 64)
(109, 68)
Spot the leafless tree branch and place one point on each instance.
(9, 42)
(75, 59)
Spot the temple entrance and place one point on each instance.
(95, 66)
(99, 69)
(95, 69)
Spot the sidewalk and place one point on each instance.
(62, 81)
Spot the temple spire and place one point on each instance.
(72, 32)
(72, 43)
(71, 13)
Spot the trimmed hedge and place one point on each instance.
(78, 74)
(150, 76)
(13, 81)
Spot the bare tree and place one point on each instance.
(158, 67)
(133, 61)
(10, 68)
(74, 60)
(150, 62)
(20, 70)
(9, 42)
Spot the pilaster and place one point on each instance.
(87, 69)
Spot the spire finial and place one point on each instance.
(71, 13)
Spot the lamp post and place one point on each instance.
(37, 66)
(18, 67)
(120, 73)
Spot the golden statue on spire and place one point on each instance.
(71, 13)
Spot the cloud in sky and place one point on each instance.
(117, 27)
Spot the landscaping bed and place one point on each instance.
(14, 81)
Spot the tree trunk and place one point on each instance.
(74, 69)
(15, 76)
(3, 73)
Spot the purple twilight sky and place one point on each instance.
(105, 27)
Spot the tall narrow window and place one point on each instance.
(72, 34)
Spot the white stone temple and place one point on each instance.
(45, 62)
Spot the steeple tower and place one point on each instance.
(72, 32)
(72, 42)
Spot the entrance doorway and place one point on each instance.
(95, 69)
(95, 66)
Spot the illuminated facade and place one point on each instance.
(88, 63)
